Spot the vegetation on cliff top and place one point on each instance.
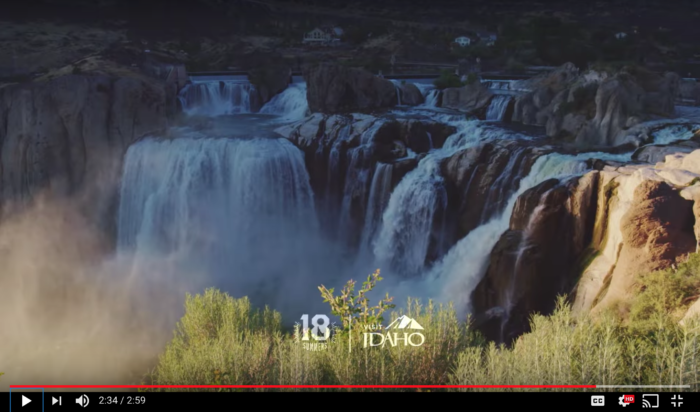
(225, 341)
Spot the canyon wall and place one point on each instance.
(66, 136)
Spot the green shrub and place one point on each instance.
(446, 80)
(224, 341)
(667, 293)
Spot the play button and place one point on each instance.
(25, 400)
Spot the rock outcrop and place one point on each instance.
(473, 97)
(644, 222)
(66, 136)
(410, 94)
(596, 109)
(342, 153)
(534, 260)
(480, 180)
(689, 92)
(332, 88)
(269, 81)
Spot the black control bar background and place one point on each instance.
(152, 401)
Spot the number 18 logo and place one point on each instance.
(321, 330)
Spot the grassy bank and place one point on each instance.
(225, 341)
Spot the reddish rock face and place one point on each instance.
(657, 230)
(534, 260)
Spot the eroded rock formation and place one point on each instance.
(480, 179)
(67, 136)
(269, 81)
(342, 153)
(596, 109)
(534, 260)
(332, 88)
(411, 95)
(473, 97)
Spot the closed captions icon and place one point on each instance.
(597, 400)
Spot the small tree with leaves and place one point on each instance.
(354, 309)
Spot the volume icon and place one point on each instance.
(82, 401)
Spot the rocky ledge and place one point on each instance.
(591, 238)
(66, 134)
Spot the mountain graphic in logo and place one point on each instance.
(404, 322)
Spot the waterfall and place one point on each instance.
(291, 104)
(403, 242)
(397, 85)
(498, 84)
(497, 107)
(238, 211)
(431, 99)
(525, 245)
(379, 194)
(461, 270)
(503, 186)
(674, 133)
(216, 98)
(409, 222)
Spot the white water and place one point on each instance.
(397, 86)
(379, 194)
(674, 133)
(399, 241)
(425, 88)
(216, 98)
(498, 84)
(291, 105)
(404, 238)
(497, 107)
(431, 99)
(236, 213)
(456, 276)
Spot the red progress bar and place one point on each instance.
(306, 386)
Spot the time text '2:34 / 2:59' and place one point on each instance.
(122, 400)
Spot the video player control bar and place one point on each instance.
(22, 400)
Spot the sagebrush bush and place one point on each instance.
(225, 341)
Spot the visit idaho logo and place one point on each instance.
(396, 334)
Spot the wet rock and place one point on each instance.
(533, 261)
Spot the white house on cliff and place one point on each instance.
(463, 41)
(323, 35)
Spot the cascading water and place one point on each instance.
(404, 239)
(431, 98)
(239, 211)
(458, 274)
(497, 107)
(290, 105)
(379, 194)
(217, 97)
(397, 85)
(504, 183)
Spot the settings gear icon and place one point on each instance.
(622, 401)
